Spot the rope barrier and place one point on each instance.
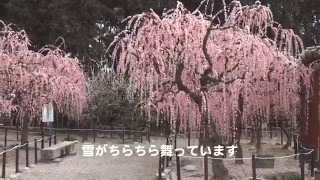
(23, 145)
(80, 129)
(57, 129)
(66, 129)
(299, 143)
(280, 157)
(228, 159)
(309, 152)
(12, 148)
(12, 130)
(233, 159)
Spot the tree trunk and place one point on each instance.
(239, 153)
(25, 128)
(253, 135)
(259, 135)
(219, 171)
(201, 134)
(288, 135)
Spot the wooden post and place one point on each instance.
(270, 132)
(149, 136)
(206, 175)
(166, 157)
(35, 151)
(17, 129)
(160, 163)
(4, 157)
(94, 134)
(178, 166)
(317, 175)
(55, 138)
(17, 158)
(281, 137)
(189, 137)
(141, 139)
(42, 136)
(50, 140)
(312, 162)
(295, 145)
(68, 131)
(5, 136)
(123, 135)
(254, 172)
(301, 158)
(27, 154)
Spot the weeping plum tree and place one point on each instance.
(211, 71)
(31, 79)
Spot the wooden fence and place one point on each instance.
(51, 139)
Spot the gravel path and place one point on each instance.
(107, 167)
(103, 167)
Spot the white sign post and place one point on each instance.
(47, 112)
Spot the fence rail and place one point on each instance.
(302, 156)
(68, 130)
(17, 149)
(304, 153)
(51, 139)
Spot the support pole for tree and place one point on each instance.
(35, 152)
(5, 136)
(50, 140)
(17, 129)
(160, 163)
(206, 170)
(178, 167)
(189, 137)
(295, 145)
(312, 162)
(27, 154)
(123, 132)
(42, 136)
(148, 132)
(301, 158)
(141, 136)
(17, 158)
(55, 138)
(254, 170)
(281, 137)
(166, 164)
(4, 160)
(68, 131)
(94, 134)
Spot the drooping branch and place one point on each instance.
(178, 80)
(311, 55)
(193, 55)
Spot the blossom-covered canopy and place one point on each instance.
(188, 63)
(31, 79)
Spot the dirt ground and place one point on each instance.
(107, 167)
(78, 167)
